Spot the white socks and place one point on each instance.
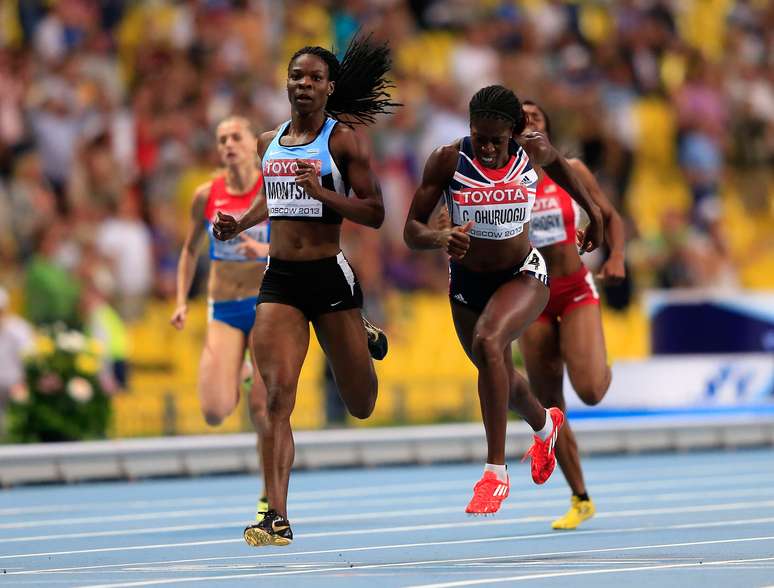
(501, 471)
(547, 429)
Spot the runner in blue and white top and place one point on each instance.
(316, 172)
(287, 200)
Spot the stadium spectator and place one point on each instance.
(50, 290)
(15, 340)
(670, 103)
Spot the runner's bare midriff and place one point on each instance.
(293, 240)
(234, 280)
(487, 255)
(562, 259)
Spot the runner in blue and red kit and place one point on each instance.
(236, 270)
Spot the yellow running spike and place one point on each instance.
(580, 510)
(261, 508)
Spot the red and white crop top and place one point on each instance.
(554, 215)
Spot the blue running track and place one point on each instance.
(692, 519)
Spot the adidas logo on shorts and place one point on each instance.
(461, 298)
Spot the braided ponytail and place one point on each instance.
(360, 91)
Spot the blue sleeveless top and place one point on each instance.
(284, 198)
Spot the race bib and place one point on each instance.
(283, 196)
(549, 224)
(228, 250)
(498, 212)
(547, 228)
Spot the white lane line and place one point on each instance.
(596, 480)
(404, 529)
(162, 581)
(128, 505)
(149, 516)
(343, 493)
(511, 505)
(543, 576)
(382, 515)
(120, 532)
(510, 538)
(233, 524)
(527, 556)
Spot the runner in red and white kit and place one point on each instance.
(569, 330)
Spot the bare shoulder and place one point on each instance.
(201, 195)
(349, 143)
(265, 138)
(443, 159)
(202, 192)
(345, 135)
(449, 151)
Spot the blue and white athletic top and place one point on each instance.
(285, 199)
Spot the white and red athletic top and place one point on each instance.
(554, 215)
(221, 200)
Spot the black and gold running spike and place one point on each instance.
(272, 530)
(377, 340)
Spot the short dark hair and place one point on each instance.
(498, 102)
(361, 87)
(544, 113)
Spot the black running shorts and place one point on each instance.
(474, 289)
(314, 287)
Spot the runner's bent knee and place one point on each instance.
(591, 389)
(487, 349)
(360, 398)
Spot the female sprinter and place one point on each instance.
(569, 331)
(498, 283)
(316, 172)
(235, 278)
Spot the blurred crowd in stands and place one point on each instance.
(108, 109)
